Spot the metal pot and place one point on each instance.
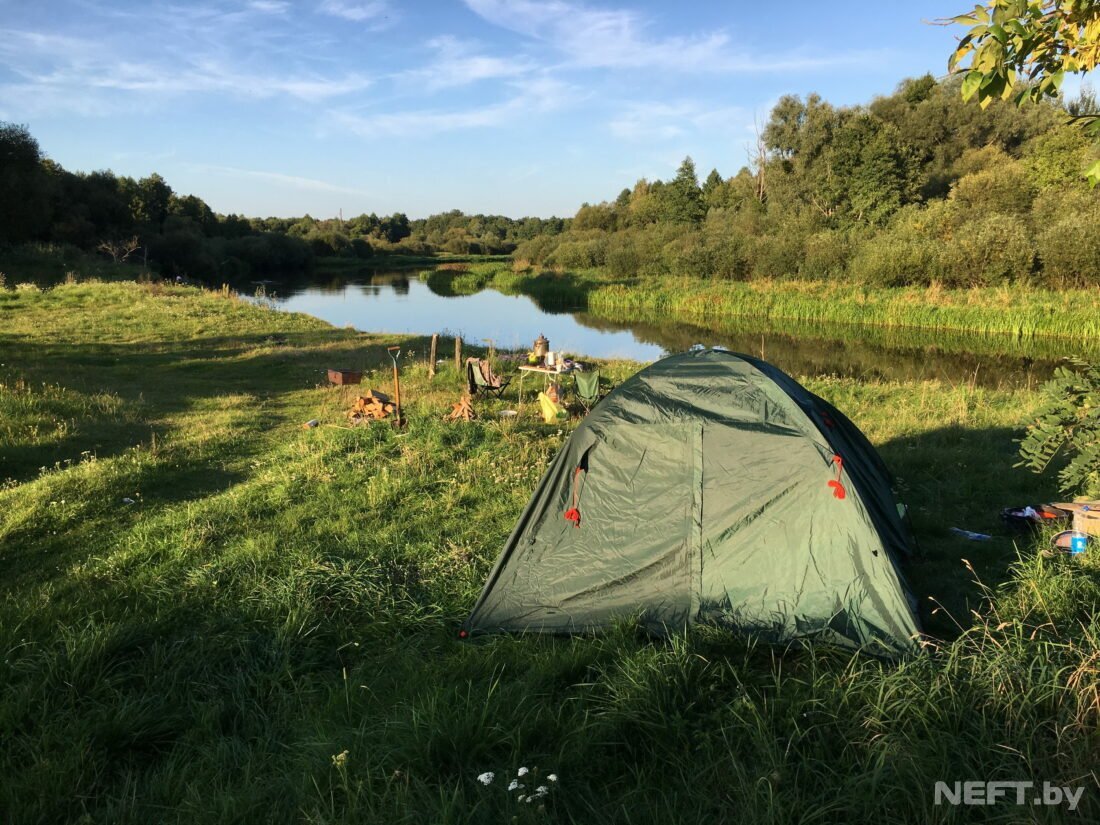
(542, 346)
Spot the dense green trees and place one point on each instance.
(100, 211)
(181, 235)
(914, 188)
(23, 185)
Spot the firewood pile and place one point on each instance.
(373, 406)
(462, 410)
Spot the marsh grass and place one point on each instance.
(209, 614)
(1006, 312)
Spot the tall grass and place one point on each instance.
(1018, 311)
(1011, 310)
(209, 613)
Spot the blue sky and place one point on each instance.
(281, 107)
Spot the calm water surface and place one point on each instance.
(403, 303)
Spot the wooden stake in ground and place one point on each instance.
(431, 355)
(395, 353)
(462, 411)
(458, 354)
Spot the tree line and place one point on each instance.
(127, 219)
(916, 187)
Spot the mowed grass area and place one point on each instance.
(268, 632)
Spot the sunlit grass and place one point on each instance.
(209, 613)
(1017, 311)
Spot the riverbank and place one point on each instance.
(1015, 311)
(210, 613)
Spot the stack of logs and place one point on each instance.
(371, 407)
(462, 411)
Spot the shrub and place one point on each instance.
(728, 236)
(270, 252)
(1051, 205)
(623, 260)
(537, 249)
(687, 255)
(578, 254)
(777, 256)
(993, 249)
(898, 259)
(937, 220)
(360, 248)
(182, 252)
(728, 258)
(1004, 189)
(327, 244)
(979, 160)
(826, 255)
(1069, 250)
(1057, 158)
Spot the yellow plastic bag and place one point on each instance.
(551, 412)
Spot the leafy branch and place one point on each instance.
(1068, 424)
(1022, 50)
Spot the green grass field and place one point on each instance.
(211, 614)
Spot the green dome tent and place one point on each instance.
(710, 487)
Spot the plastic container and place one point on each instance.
(1078, 543)
(1073, 542)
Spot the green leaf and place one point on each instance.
(970, 84)
(993, 86)
(1093, 174)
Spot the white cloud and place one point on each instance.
(290, 181)
(459, 63)
(375, 10)
(269, 6)
(618, 38)
(532, 97)
(58, 74)
(649, 120)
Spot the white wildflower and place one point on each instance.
(486, 778)
(553, 777)
(515, 784)
(543, 790)
(521, 772)
(520, 798)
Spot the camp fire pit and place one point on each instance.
(345, 376)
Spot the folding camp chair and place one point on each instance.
(587, 387)
(481, 378)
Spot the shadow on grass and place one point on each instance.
(961, 477)
(158, 380)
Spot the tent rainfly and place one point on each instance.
(710, 487)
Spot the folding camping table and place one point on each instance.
(549, 372)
